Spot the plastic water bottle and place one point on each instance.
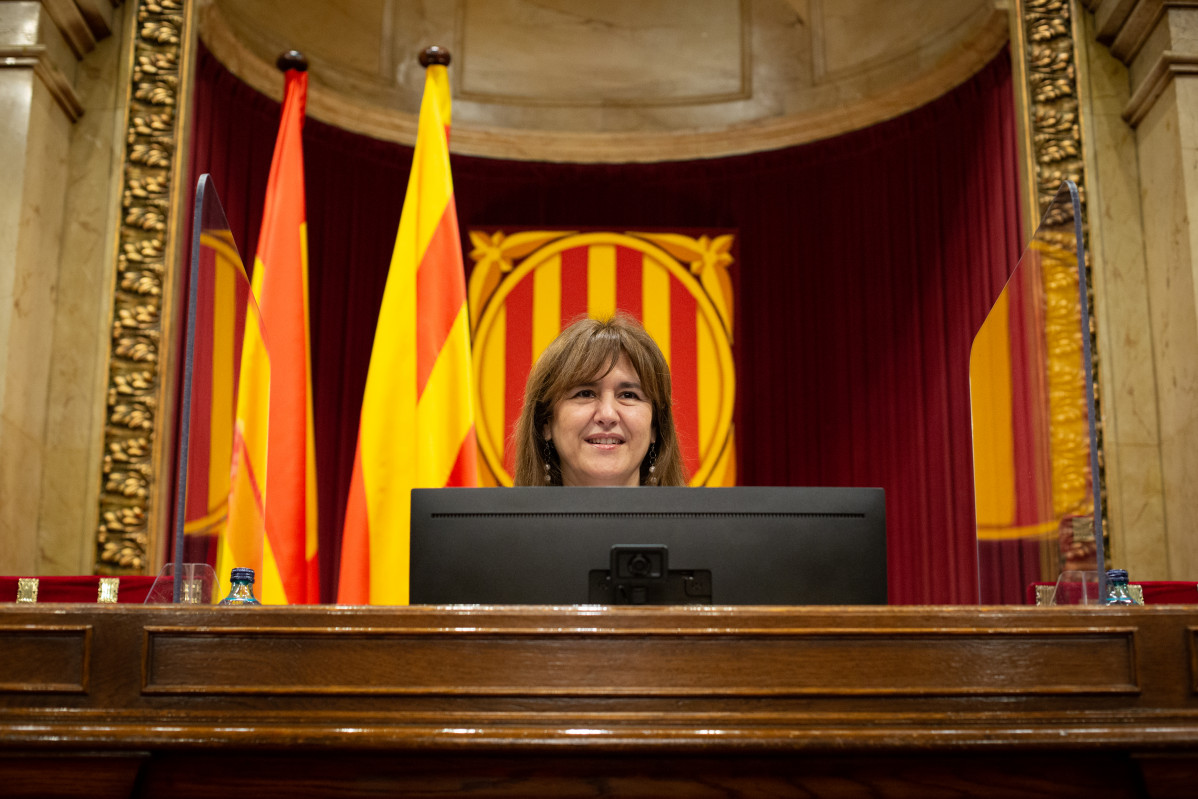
(1117, 592)
(241, 588)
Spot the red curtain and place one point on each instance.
(866, 264)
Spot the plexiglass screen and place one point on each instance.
(222, 325)
(1032, 402)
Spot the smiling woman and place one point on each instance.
(598, 410)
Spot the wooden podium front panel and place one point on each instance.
(612, 662)
(525, 701)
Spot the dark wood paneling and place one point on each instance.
(639, 777)
(41, 775)
(774, 662)
(44, 658)
(478, 701)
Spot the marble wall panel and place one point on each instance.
(1168, 163)
(855, 36)
(349, 33)
(16, 91)
(1131, 431)
(42, 43)
(27, 338)
(76, 397)
(573, 52)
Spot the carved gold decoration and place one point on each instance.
(109, 587)
(1046, 46)
(494, 255)
(27, 589)
(1068, 426)
(192, 588)
(135, 379)
(1049, 62)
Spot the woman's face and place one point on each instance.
(602, 429)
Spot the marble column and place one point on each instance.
(1157, 41)
(42, 45)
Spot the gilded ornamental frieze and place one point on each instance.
(1045, 51)
(137, 392)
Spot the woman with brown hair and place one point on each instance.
(598, 410)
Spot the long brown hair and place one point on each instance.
(584, 350)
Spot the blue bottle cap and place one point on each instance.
(242, 573)
(1117, 575)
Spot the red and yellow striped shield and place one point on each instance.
(527, 286)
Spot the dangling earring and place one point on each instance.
(652, 463)
(547, 453)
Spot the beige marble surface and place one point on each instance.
(33, 302)
(46, 344)
(1148, 315)
(1166, 139)
(16, 89)
(1127, 379)
(856, 37)
(633, 80)
(353, 34)
(588, 54)
(75, 407)
(30, 222)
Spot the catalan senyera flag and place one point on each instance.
(417, 423)
(272, 495)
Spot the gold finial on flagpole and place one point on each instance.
(434, 55)
(292, 59)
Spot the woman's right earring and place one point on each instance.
(547, 455)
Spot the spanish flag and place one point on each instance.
(417, 423)
(272, 496)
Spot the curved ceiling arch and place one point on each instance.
(622, 81)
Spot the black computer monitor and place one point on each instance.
(616, 546)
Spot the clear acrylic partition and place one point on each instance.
(197, 585)
(220, 309)
(1035, 451)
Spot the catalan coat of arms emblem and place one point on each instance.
(526, 286)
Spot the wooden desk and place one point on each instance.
(125, 700)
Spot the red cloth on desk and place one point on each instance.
(1156, 592)
(1169, 592)
(85, 588)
